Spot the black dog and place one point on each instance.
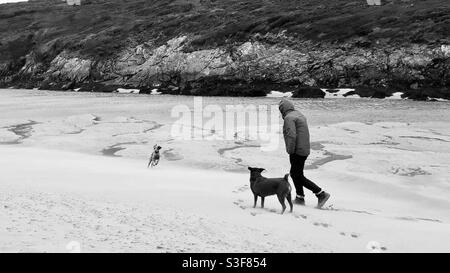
(263, 187)
(154, 158)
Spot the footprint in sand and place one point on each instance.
(239, 203)
(375, 247)
(352, 234)
(326, 225)
(301, 216)
(241, 189)
(322, 224)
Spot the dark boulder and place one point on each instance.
(217, 86)
(308, 92)
(98, 87)
(350, 93)
(378, 94)
(427, 93)
(145, 89)
(50, 85)
(373, 92)
(415, 95)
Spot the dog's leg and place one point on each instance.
(289, 199)
(149, 162)
(262, 202)
(281, 199)
(256, 200)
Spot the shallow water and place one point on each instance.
(318, 111)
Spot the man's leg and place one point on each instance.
(297, 174)
(297, 166)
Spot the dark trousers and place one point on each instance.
(300, 181)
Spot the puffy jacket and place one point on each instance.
(295, 129)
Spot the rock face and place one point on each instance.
(262, 62)
(174, 70)
(66, 68)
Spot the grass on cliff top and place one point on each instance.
(102, 27)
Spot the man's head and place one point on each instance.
(285, 107)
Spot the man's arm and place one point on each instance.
(290, 134)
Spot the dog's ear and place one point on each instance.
(250, 168)
(261, 170)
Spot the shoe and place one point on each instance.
(322, 199)
(299, 201)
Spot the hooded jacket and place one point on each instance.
(295, 129)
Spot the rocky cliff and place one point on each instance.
(211, 48)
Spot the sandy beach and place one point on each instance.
(74, 177)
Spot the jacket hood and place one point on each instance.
(285, 107)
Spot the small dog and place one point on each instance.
(262, 186)
(154, 158)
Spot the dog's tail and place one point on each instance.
(286, 178)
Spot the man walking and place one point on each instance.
(296, 138)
